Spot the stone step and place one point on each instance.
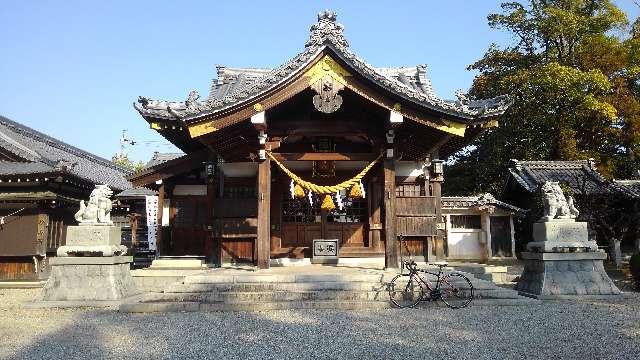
(479, 268)
(290, 293)
(274, 296)
(142, 307)
(498, 278)
(190, 286)
(265, 287)
(286, 278)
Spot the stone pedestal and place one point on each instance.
(561, 262)
(89, 279)
(93, 240)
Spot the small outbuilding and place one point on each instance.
(479, 228)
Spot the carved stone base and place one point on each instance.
(93, 240)
(557, 275)
(89, 279)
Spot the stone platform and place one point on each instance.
(89, 279)
(549, 275)
(299, 287)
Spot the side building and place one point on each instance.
(42, 181)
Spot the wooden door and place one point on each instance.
(500, 236)
(189, 234)
(302, 223)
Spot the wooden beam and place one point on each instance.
(259, 121)
(263, 242)
(391, 258)
(325, 156)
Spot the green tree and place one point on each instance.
(573, 81)
(124, 162)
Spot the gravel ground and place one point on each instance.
(585, 330)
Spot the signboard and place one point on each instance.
(152, 220)
(325, 251)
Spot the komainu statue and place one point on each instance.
(556, 205)
(97, 211)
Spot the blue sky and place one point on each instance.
(72, 69)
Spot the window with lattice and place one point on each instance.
(466, 222)
(299, 210)
(415, 189)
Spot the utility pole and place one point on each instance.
(124, 141)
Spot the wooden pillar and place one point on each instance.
(376, 190)
(161, 195)
(211, 246)
(263, 241)
(391, 243)
(439, 239)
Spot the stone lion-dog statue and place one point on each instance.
(556, 205)
(97, 211)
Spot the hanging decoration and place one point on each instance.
(364, 194)
(339, 202)
(355, 192)
(298, 192)
(292, 188)
(310, 196)
(327, 203)
(324, 189)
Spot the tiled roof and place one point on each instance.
(139, 192)
(631, 186)
(465, 202)
(580, 175)
(235, 85)
(159, 158)
(42, 154)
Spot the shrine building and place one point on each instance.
(326, 146)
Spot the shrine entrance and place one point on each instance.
(298, 221)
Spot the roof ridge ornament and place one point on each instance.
(327, 29)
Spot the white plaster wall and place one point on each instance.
(465, 244)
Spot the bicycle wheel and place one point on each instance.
(405, 290)
(456, 290)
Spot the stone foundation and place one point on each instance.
(555, 275)
(89, 279)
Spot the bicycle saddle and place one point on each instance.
(440, 264)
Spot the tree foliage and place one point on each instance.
(572, 73)
(124, 162)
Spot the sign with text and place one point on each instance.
(325, 251)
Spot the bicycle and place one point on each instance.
(407, 290)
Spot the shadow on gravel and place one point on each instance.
(555, 329)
